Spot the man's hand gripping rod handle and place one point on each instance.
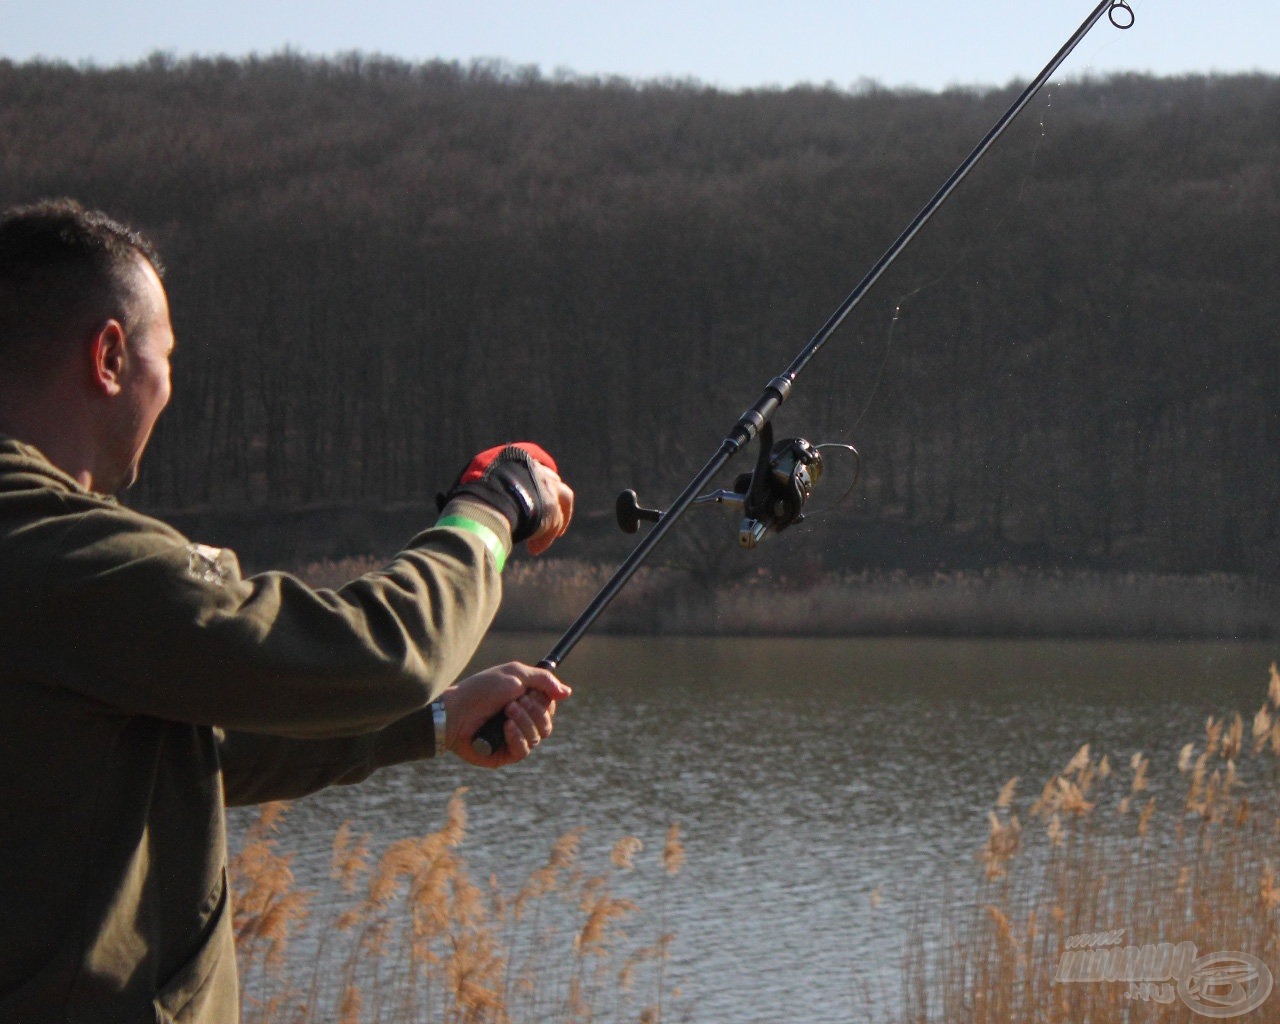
(489, 737)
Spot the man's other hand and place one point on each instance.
(526, 695)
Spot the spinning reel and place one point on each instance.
(772, 496)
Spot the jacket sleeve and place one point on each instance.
(257, 768)
(159, 626)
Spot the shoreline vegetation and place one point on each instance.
(1121, 884)
(547, 595)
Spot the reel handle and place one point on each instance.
(630, 512)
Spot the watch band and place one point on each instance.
(438, 719)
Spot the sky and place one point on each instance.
(926, 44)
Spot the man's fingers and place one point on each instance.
(559, 501)
(542, 682)
(534, 711)
(518, 747)
(532, 718)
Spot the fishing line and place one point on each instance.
(852, 452)
(964, 255)
(1122, 15)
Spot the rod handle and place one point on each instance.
(490, 738)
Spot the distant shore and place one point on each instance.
(548, 596)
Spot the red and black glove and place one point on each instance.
(503, 477)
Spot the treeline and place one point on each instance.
(377, 268)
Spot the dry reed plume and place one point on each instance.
(411, 936)
(1079, 891)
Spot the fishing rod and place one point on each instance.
(774, 494)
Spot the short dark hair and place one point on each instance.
(63, 267)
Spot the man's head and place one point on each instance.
(85, 339)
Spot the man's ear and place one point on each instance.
(107, 348)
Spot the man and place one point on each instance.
(144, 682)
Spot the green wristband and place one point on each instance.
(490, 539)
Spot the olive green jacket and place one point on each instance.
(143, 683)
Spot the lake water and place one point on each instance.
(806, 776)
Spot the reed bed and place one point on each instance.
(1103, 897)
(547, 594)
(1119, 893)
(410, 936)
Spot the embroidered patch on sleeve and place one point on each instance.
(206, 564)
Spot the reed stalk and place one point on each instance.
(411, 936)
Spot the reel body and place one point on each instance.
(772, 496)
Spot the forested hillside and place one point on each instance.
(376, 268)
